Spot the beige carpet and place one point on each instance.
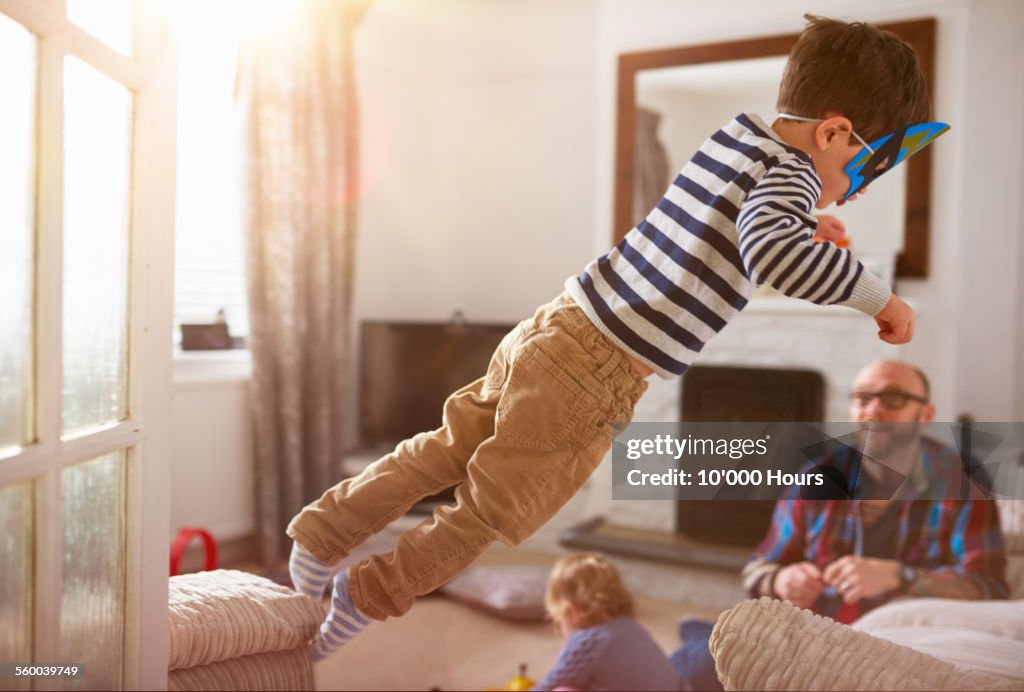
(443, 644)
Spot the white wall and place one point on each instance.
(1018, 379)
(212, 477)
(989, 244)
(478, 122)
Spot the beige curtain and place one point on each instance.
(297, 101)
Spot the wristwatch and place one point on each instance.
(908, 575)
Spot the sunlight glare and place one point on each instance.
(237, 19)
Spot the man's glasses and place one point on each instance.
(892, 400)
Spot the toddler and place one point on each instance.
(520, 441)
(605, 648)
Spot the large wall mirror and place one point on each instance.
(670, 100)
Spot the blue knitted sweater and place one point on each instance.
(616, 655)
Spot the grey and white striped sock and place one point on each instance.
(343, 622)
(309, 575)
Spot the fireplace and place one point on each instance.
(731, 394)
(715, 533)
(772, 334)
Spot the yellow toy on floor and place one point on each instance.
(521, 681)
(517, 684)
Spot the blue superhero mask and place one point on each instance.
(886, 152)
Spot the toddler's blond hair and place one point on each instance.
(590, 584)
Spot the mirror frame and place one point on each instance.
(919, 33)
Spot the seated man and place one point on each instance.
(841, 558)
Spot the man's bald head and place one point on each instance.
(894, 377)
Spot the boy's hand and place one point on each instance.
(832, 230)
(895, 321)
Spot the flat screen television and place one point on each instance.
(408, 369)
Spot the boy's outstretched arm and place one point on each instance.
(777, 247)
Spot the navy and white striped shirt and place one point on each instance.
(739, 214)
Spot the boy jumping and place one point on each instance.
(520, 441)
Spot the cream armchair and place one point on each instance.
(773, 645)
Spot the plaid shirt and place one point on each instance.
(958, 538)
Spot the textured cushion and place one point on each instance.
(509, 592)
(285, 671)
(980, 635)
(223, 614)
(773, 645)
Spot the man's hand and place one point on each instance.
(799, 583)
(856, 578)
(832, 230)
(895, 321)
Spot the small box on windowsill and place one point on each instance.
(205, 337)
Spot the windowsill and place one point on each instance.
(212, 367)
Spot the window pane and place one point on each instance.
(17, 222)
(209, 244)
(108, 20)
(93, 603)
(97, 162)
(16, 568)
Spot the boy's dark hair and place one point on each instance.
(868, 75)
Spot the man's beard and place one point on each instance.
(888, 455)
(881, 441)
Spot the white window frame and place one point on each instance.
(145, 433)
